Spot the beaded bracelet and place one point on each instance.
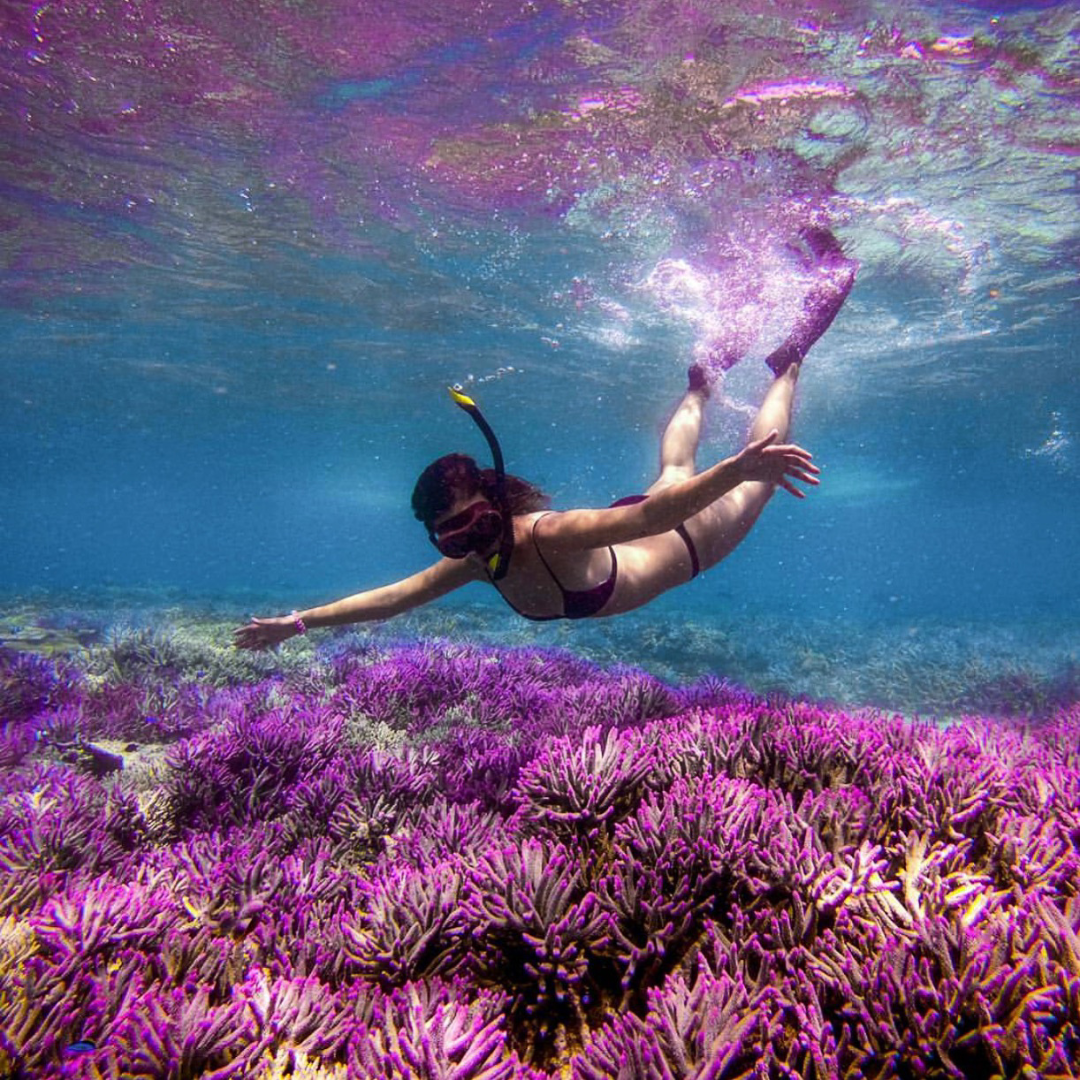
(301, 629)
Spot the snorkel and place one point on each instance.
(499, 563)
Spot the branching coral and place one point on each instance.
(680, 856)
(410, 924)
(181, 1035)
(428, 1033)
(300, 1016)
(87, 926)
(243, 771)
(537, 925)
(1036, 854)
(624, 881)
(428, 835)
(233, 898)
(56, 823)
(29, 683)
(16, 742)
(711, 1025)
(577, 786)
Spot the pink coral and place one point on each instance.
(618, 877)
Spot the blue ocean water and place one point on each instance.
(235, 286)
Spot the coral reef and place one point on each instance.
(456, 861)
(176, 656)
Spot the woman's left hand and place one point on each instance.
(263, 633)
(764, 459)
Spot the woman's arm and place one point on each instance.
(670, 507)
(382, 603)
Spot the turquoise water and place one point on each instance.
(246, 247)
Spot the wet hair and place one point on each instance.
(457, 475)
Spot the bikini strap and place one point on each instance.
(510, 603)
(536, 545)
(573, 598)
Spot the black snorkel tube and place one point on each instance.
(499, 563)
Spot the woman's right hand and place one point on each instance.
(264, 633)
(776, 464)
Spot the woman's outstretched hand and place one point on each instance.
(263, 633)
(776, 464)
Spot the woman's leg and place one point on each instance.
(679, 443)
(719, 529)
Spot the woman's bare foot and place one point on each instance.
(698, 380)
(835, 274)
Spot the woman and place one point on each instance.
(578, 564)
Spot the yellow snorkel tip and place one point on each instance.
(461, 399)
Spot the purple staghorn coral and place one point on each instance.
(300, 1015)
(581, 785)
(180, 1033)
(16, 742)
(711, 1023)
(537, 927)
(30, 684)
(622, 880)
(428, 1031)
(243, 771)
(56, 825)
(683, 857)
(409, 924)
(428, 835)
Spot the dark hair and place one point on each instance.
(458, 475)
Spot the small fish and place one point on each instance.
(83, 1046)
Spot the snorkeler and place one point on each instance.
(575, 564)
